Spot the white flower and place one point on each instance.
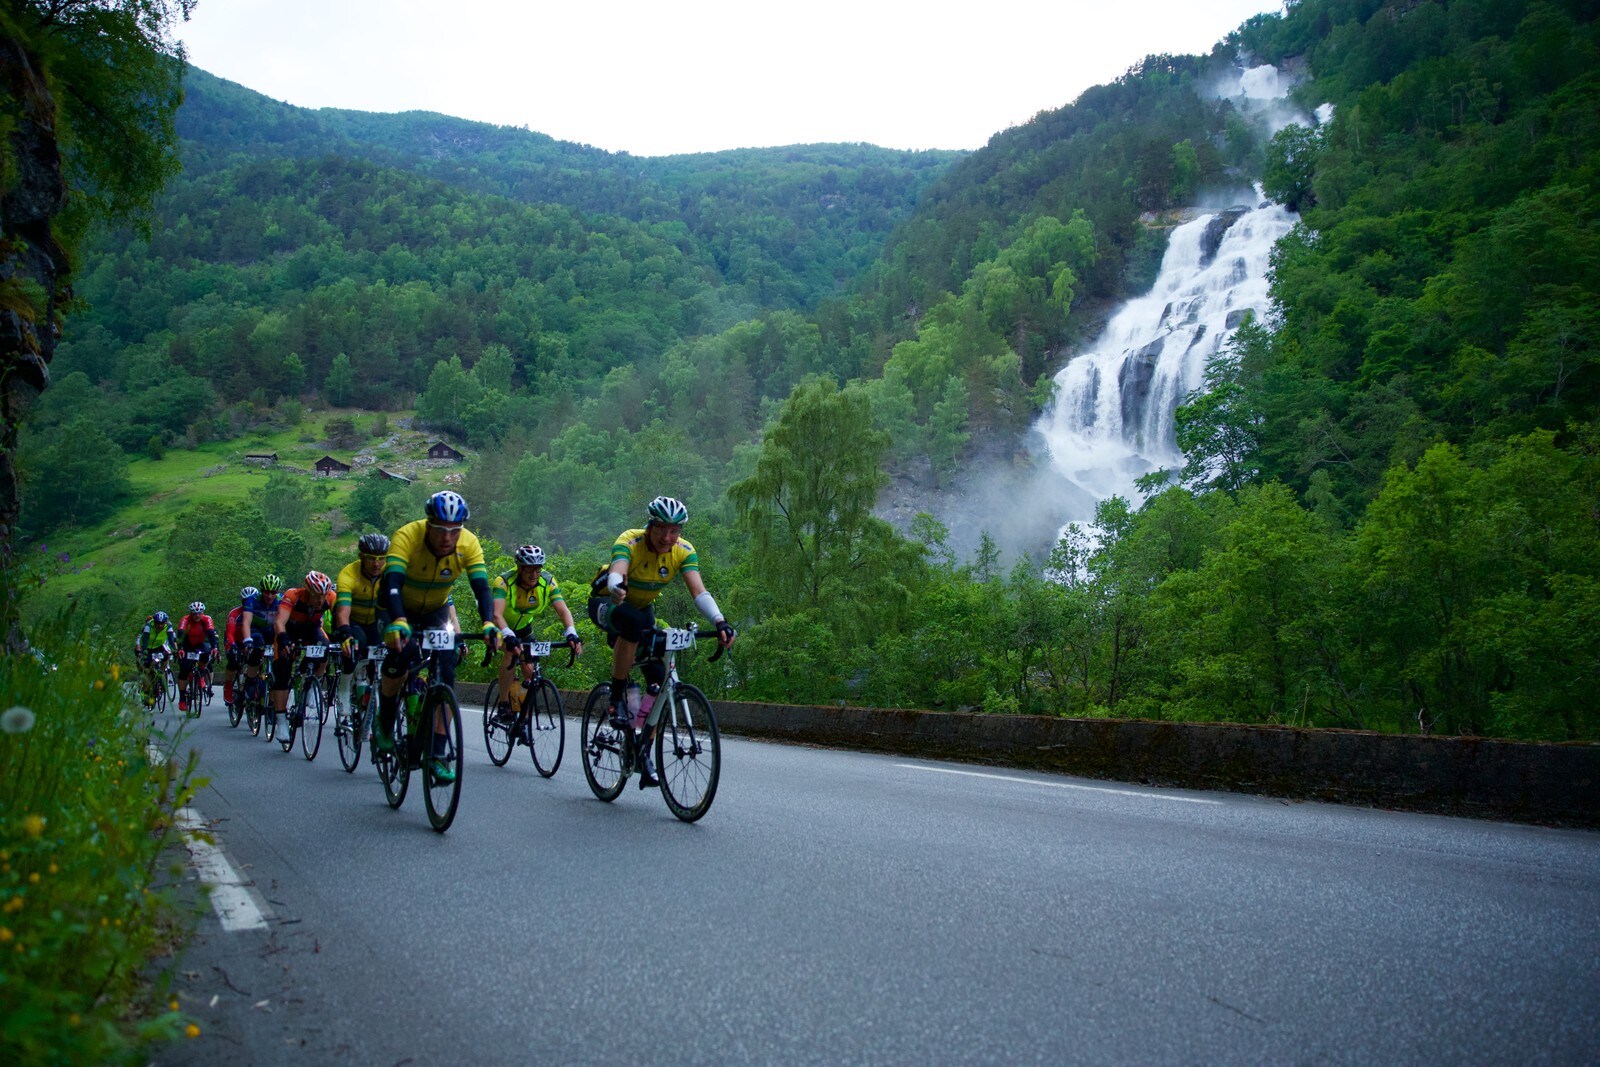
(16, 719)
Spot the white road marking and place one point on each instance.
(236, 903)
(1059, 785)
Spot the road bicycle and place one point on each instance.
(308, 694)
(351, 723)
(427, 704)
(688, 747)
(197, 687)
(254, 696)
(534, 714)
(160, 685)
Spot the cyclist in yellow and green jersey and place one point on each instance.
(425, 559)
(520, 596)
(643, 563)
(357, 619)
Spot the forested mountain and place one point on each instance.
(1389, 515)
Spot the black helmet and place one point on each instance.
(374, 544)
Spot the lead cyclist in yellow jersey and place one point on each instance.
(643, 563)
(425, 559)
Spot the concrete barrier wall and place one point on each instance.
(1554, 784)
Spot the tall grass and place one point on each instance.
(86, 818)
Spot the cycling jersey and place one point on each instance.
(233, 629)
(263, 609)
(305, 608)
(197, 630)
(359, 593)
(428, 578)
(649, 572)
(153, 636)
(521, 605)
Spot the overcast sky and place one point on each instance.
(702, 75)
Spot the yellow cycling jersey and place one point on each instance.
(358, 593)
(650, 572)
(521, 605)
(428, 578)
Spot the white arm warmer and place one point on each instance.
(613, 580)
(708, 607)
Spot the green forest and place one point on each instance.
(1391, 515)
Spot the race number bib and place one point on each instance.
(315, 651)
(538, 649)
(677, 640)
(438, 640)
(192, 656)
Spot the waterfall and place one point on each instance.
(1112, 418)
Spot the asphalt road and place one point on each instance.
(837, 907)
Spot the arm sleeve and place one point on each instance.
(393, 581)
(480, 590)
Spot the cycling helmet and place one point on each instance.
(447, 507)
(318, 583)
(271, 583)
(529, 556)
(249, 591)
(159, 618)
(374, 544)
(197, 608)
(668, 510)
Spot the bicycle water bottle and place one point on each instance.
(632, 701)
(645, 704)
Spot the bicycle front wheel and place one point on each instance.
(441, 770)
(236, 709)
(498, 738)
(316, 713)
(603, 746)
(394, 766)
(347, 727)
(688, 753)
(546, 720)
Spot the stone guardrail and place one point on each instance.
(1556, 784)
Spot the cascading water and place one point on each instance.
(1112, 419)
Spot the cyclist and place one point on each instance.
(157, 634)
(425, 559)
(196, 633)
(519, 596)
(357, 620)
(257, 622)
(233, 643)
(299, 622)
(622, 597)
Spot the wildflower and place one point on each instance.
(116, 672)
(33, 879)
(54, 869)
(16, 719)
(74, 1019)
(99, 683)
(192, 1030)
(5, 934)
(32, 825)
(173, 1004)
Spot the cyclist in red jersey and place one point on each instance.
(196, 632)
(299, 622)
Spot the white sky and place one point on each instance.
(702, 75)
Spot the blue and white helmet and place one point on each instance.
(668, 510)
(249, 591)
(447, 507)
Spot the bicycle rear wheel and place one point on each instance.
(688, 753)
(316, 713)
(498, 738)
(603, 746)
(546, 720)
(442, 791)
(252, 705)
(347, 728)
(236, 709)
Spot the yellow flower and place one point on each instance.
(32, 825)
(54, 869)
(192, 1030)
(5, 934)
(73, 1019)
(33, 879)
(116, 672)
(174, 1004)
(14, 904)
(99, 683)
